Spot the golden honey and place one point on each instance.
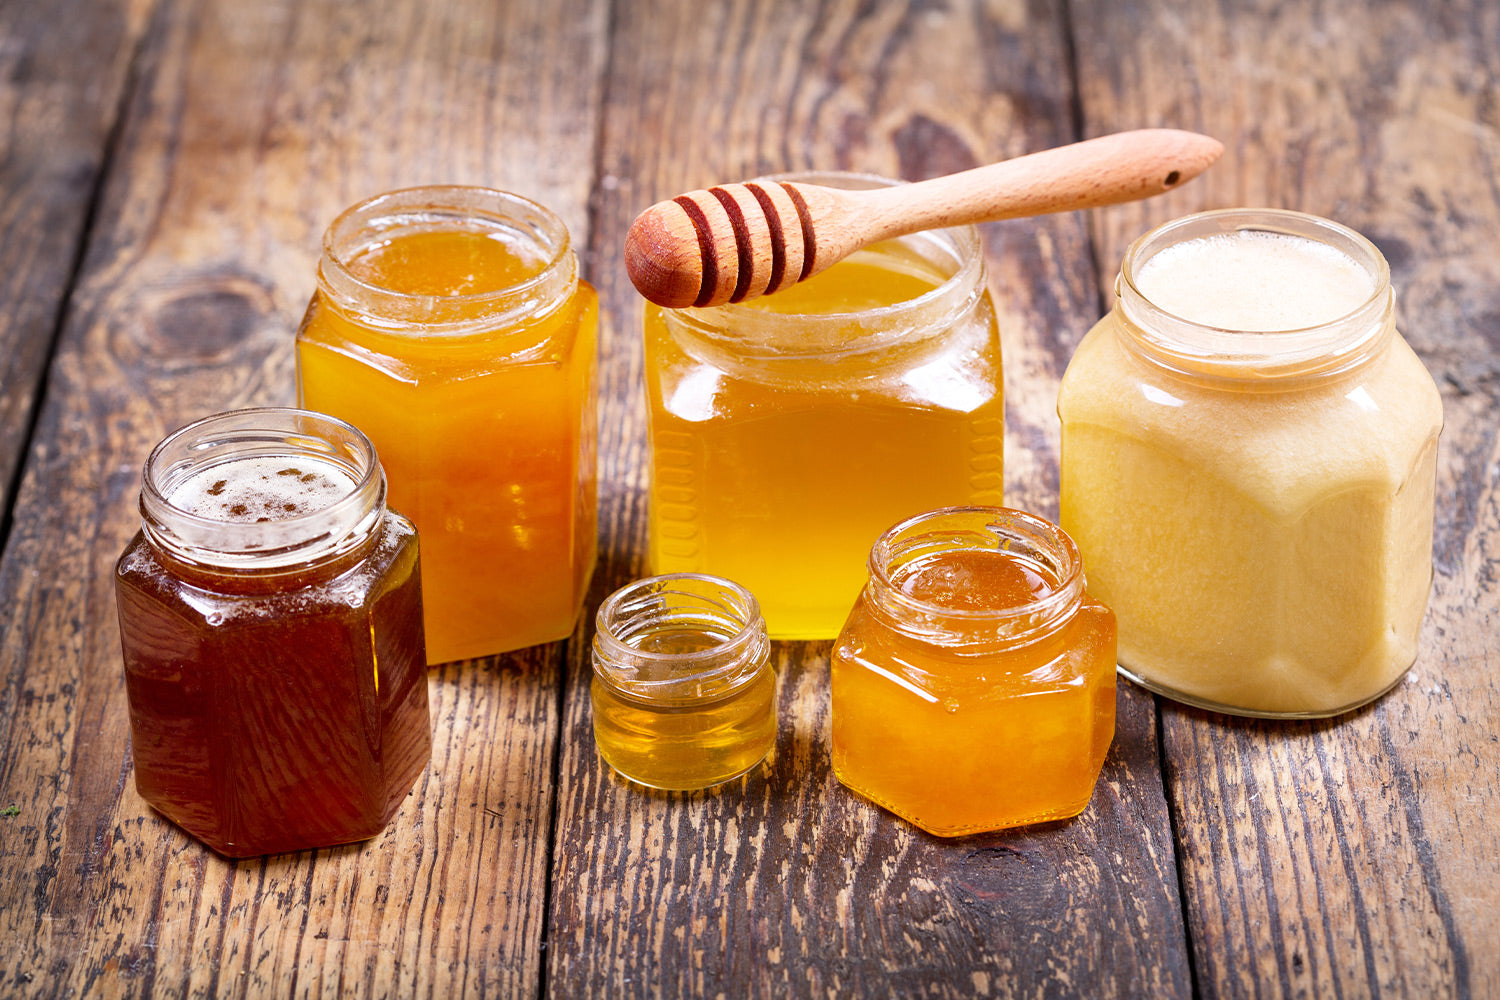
(683, 694)
(789, 431)
(973, 684)
(451, 326)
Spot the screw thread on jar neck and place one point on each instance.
(275, 443)
(522, 224)
(1041, 545)
(1199, 349)
(679, 638)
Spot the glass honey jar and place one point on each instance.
(451, 325)
(271, 624)
(684, 696)
(1249, 455)
(973, 685)
(788, 431)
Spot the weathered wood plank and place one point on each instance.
(63, 68)
(783, 884)
(251, 127)
(1353, 857)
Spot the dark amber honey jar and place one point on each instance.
(271, 624)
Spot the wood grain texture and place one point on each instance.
(1354, 857)
(63, 68)
(782, 883)
(1347, 858)
(250, 127)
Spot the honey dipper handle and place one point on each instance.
(1111, 169)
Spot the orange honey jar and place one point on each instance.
(973, 686)
(451, 325)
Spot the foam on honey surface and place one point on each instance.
(1255, 281)
(262, 488)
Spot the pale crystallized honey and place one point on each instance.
(1248, 466)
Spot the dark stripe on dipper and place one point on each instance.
(773, 220)
(809, 249)
(741, 241)
(705, 248)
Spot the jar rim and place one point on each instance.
(1192, 347)
(421, 207)
(325, 532)
(960, 528)
(720, 662)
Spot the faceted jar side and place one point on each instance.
(450, 324)
(1255, 505)
(787, 432)
(263, 723)
(271, 628)
(967, 718)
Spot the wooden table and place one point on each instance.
(168, 167)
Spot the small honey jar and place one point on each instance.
(974, 682)
(684, 695)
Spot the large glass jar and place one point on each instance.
(684, 696)
(787, 432)
(1248, 466)
(451, 326)
(973, 686)
(271, 624)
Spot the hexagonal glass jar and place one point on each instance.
(973, 684)
(271, 623)
(1249, 466)
(790, 430)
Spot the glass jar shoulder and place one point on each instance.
(386, 563)
(956, 366)
(1370, 424)
(552, 333)
(1078, 653)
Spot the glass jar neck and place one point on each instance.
(277, 444)
(679, 639)
(754, 335)
(978, 626)
(531, 230)
(1203, 351)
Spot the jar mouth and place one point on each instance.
(721, 611)
(1186, 345)
(327, 531)
(955, 253)
(517, 221)
(1028, 538)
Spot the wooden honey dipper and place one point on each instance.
(738, 241)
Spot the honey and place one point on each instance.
(973, 684)
(1249, 466)
(683, 694)
(271, 625)
(451, 326)
(787, 432)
